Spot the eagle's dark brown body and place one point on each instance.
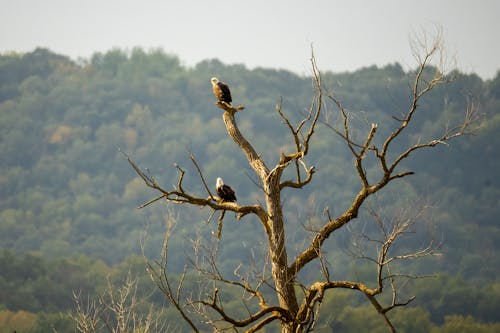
(225, 192)
(221, 91)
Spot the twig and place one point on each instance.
(201, 176)
(151, 201)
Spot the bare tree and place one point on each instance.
(297, 305)
(116, 311)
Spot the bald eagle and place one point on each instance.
(221, 91)
(225, 192)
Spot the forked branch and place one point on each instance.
(179, 196)
(389, 233)
(421, 88)
(302, 140)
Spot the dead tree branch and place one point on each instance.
(161, 279)
(421, 88)
(389, 173)
(193, 159)
(179, 196)
(302, 140)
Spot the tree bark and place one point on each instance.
(273, 223)
(284, 282)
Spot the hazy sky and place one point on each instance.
(346, 35)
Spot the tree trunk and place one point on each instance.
(284, 283)
(274, 225)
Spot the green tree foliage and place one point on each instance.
(68, 197)
(459, 324)
(21, 320)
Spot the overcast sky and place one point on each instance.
(346, 35)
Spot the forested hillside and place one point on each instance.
(68, 197)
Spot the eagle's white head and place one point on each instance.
(214, 80)
(219, 182)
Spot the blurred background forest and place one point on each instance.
(68, 197)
